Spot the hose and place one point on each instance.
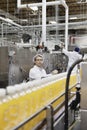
(66, 92)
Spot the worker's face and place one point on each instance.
(39, 61)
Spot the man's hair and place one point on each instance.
(77, 49)
(37, 55)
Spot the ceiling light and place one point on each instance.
(82, 1)
(24, 20)
(52, 22)
(73, 18)
(34, 8)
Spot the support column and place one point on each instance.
(56, 17)
(44, 22)
(66, 29)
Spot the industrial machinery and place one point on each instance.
(17, 62)
(4, 67)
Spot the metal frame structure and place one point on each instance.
(44, 4)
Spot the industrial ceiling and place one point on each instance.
(77, 10)
(30, 18)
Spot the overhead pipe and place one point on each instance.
(66, 23)
(10, 21)
(66, 30)
(71, 25)
(2, 32)
(19, 5)
(44, 22)
(57, 20)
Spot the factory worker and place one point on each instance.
(73, 56)
(37, 71)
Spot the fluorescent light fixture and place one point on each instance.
(73, 18)
(24, 20)
(82, 1)
(34, 8)
(52, 22)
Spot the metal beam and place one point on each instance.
(19, 5)
(10, 21)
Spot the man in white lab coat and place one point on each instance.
(37, 71)
(73, 56)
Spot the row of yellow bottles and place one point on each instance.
(24, 100)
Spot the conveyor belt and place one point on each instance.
(35, 95)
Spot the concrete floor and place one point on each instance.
(76, 125)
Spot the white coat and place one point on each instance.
(73, 56)
(37, 73)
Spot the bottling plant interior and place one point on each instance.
(43, 36)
